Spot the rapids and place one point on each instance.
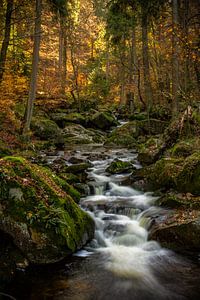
(120, 262)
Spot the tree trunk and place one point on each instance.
(146, 71)
(35, 61)
(133, 71)
(122, 74)
(6, 39)
(187, 83)
(175, 63)
(62, 54)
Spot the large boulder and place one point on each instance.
(119, 166)
(150, 151)
(103, 120)
(151, 126)
(77, 134)
(180, 231)
(45, 128)
(62, 119)
(124, 135)
(181, 174)
(38, 213)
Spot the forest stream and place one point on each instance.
(120, 262)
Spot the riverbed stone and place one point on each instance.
(150, 151)
(62, 119)
(43, 220)
(180, 231)
(119, 166)
(124, 135)
(45, 128)
(103, 120)
(77, 134)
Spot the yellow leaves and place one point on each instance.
(29, 214)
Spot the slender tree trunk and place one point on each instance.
(107, 62)
(75, 71)
(187, 62)
(6, 39)
(133, 71)
(175, 63)
(146, 71)
(62, 54)
(35, 62)
(122, 74)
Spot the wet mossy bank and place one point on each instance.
(38, 213)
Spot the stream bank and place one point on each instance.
(120, 262)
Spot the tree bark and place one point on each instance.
(187, 86)
(62, 54)
(175, 63)
(6, 39)
(35, 62)
(146, 71)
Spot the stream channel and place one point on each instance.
(120, 263)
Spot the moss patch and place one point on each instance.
(35, 200)
(119, 166)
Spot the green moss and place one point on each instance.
(165, 173)
(189, 178)
(123, 136)
(34, 196)
(77, 168)
(119, 166)
(45, 128)
(182, 149)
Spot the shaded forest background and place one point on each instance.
(119, 54)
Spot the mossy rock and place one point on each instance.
(62, 119)
(175, 200)
(180, 232)
(182, 149)
(150, 151)
(164, 173)
(189, 177)
(38, 212)
(119, 166)
(178, 173)
(77, 168)
(103, 121)
(151, 126)
(77, 134)
(45, 128)
(124, 135)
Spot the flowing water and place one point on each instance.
(120, 263)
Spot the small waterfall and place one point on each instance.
(122, 216)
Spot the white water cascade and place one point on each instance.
(122, 218)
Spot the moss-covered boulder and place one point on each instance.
(181, 174)
(151, 126)
(182, 148)
(179, 200)
(38, 213)
(119, 166)
(150, 151)
(63, 119)
(77, 134)
(45, 128)
(77, 168)
(164, 173)
(189, 176)
(103, 120)
(124, 135)
(180, 231)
